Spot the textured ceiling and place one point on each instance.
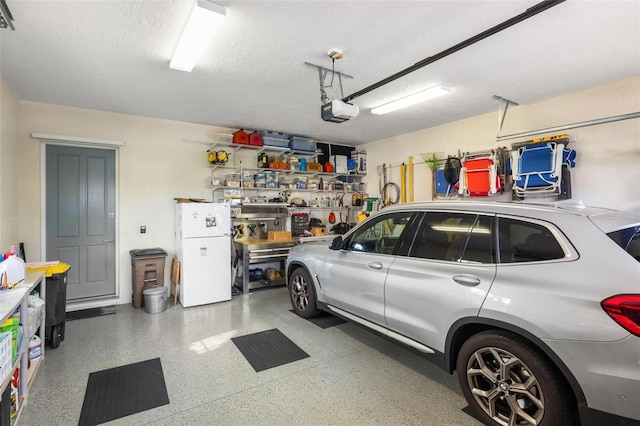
(114, 56)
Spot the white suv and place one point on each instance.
(536, 307)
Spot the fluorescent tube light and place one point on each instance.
(425, 95)
(206, 17)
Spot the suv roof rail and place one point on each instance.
(572, 205)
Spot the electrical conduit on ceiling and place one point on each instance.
(532, 11)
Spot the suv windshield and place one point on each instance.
(628, 239)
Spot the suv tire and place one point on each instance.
(506, 382)
(302, 294)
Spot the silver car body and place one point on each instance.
(555, 304)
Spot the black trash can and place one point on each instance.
(55, 306)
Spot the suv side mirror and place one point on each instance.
(336, 243)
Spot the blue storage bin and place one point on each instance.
(299, 143)
(274, 135)
(280, 143)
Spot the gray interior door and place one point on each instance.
(80, 218)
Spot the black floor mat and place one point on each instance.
(324, 320)
(268, 349)
(467, 410)
(88, 313)
(122, 391)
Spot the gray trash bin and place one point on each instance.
(155, 299)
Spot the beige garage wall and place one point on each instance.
(9, 168)
(154, 167)
(608, 155)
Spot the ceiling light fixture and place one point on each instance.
(205, 19)
(424, 95)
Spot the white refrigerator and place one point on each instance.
(203, 247)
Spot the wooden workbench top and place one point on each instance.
(292, 240)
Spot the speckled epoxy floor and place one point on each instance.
(351, 377)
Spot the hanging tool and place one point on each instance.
(410, 179)
(211, 157)
(432, 159)
(403, 183)
(386, 200)
(385, 180)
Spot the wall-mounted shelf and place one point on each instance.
(310, 208)
(253, 188)
(242, 155)
(236, 169)
(228, 146)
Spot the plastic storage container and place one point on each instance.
(299, 143)
(232, 180)
(6, 359)
(274, 135)
(147, 270)
(280, 143)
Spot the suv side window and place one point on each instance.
(458, 237)
(522, 241)
(381, 235)
(478, 246)
(628, 239)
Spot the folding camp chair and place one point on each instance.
(541, 168)
(479, 176)
(442, 187)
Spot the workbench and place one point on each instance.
(261, 251)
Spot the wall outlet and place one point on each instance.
(143, 229)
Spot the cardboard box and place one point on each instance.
(314, 167)
(279, 236)
(339, 163)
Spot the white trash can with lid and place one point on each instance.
(155, 299)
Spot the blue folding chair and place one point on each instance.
(538, 169)
(442, 188)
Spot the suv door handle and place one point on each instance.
(467, 280)
(374, 265)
